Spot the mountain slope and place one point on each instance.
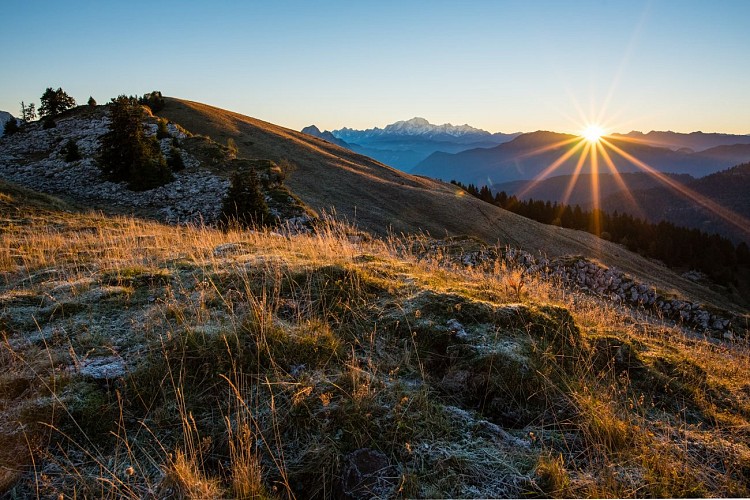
(381, 199)
(729, 188)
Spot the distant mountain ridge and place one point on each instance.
(694, 141)
(554, 188)
(405, 143)
(315, 131)
(420, 127)
(529, 155)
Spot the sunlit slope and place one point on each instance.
(380, 198)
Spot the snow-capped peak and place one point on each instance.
(416, 126)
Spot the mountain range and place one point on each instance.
(729, 188)
(578, 191)
(405, 143)
(529, 155)
(692, 142)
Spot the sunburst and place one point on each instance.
(593, 133)
(594, 144)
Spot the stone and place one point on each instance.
(106, 368)
(457, 329)
(367, 474)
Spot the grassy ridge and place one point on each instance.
(144, 359)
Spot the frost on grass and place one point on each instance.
(146, 360)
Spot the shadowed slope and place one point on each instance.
(379, 198)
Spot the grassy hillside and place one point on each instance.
(140, 359)
(383, 200)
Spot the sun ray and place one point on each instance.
(731, 217)
(562, 159)
(624, 62)
(576, 174)
(619, 180)
(550, 147)
(595, 191)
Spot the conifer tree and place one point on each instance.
(28, 113)
(174, 160)
(11, 126)
(127, 154)
(161, 129)
(55, 102)
(91, 102)
(244, 203)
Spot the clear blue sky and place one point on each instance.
(500, 65)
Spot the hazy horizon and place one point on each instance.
(499, 66)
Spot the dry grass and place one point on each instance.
(381, 199)
(257, 361)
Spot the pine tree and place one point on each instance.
(153, 100)
(55, 102)
(244, 203)
(28, 113)
(161, 129)
(127, 154)
(11, 126)
(91, 102)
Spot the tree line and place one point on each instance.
(676, 246)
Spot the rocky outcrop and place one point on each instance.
(35, 158)
(589, 277)
(614, 285)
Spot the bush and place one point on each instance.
(174, 160)
(161, 130)
(71, 152)
(153, 100)
(245, 203)
(92, 102)
(232, 147)
(48, 122)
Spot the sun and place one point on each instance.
(593, 133)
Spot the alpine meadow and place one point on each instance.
(375, 250)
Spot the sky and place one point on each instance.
(503, 66)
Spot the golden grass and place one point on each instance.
(276, 354)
